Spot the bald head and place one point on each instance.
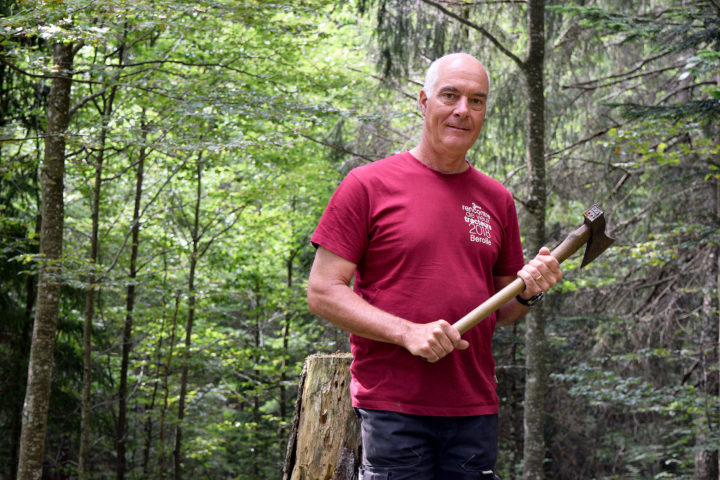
(432, 72)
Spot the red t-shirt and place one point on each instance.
(427, 246)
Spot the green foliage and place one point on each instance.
(272, 102)
(246, 93)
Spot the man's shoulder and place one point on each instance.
(393, 163)
(495, 185)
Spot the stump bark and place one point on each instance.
(324, 442)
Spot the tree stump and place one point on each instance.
(324, 440)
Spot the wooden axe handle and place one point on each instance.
(570, 245)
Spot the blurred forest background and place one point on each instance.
(162, 293)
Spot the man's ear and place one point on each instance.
(422, 101)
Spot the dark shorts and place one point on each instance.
(397, 446)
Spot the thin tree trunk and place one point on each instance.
(151, 407)
(166, 389)
(706, 461)
(286, 341)
(717, 290)
(127, 331)
(148, 410)
(256, 373)
(286, 329)
(37, 395)
(717, 309)
(535, 377)
(24, 350)
(86, 402)
(706, 457)
(177, 453)
(90, 295)
(91, 292)
(515, 407)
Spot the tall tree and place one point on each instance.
(129, 313)
(40, 368)
(105, 111)
(533, 69)
(195, 234)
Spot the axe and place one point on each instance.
(592, 232)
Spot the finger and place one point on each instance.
(431, 358)
(446, 336)
(456, 338)
(444, 339)
(549, 261)
(529, 275)
(546, 271)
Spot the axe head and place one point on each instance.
(599, 241)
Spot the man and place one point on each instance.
(427, 238)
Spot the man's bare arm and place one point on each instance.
(329, 295)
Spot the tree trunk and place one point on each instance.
(717, 304)
(515, 407)
(324, 442)
(86, 402)
(177, 452)
(127, 331)
(37, 395)
(23, 352)
(136, 222)
(707, 459)
(90, 295)
(166, 389)
(535, 379)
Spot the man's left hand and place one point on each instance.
(540, 274)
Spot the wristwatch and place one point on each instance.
(535, 299)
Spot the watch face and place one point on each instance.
(536, 299)
(532, 300)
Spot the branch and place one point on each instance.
(336, 147)
(682, 89)
(383, 81)
(142, 214)
(582, 141)
(24, 72)
(480, 29)
(218, 234)
(621, 77)
(87, 99)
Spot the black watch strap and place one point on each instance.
(530, 301)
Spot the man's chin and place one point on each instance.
(461, 143)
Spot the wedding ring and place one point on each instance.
(538, 278)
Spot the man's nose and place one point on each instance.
(462, 107)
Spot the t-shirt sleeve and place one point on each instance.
(343, 227)
(511, 258)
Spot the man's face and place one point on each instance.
(455, 110)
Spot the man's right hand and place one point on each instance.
(433, 341)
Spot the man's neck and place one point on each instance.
(441, 163)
